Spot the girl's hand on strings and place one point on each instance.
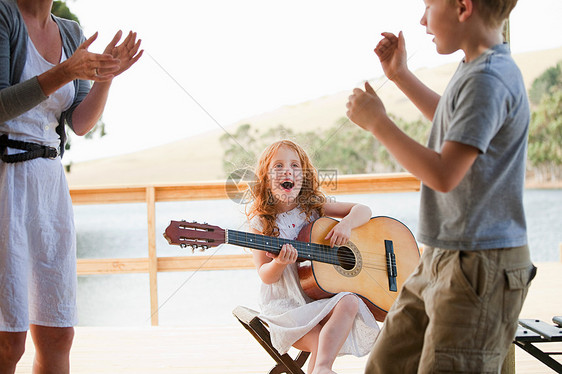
(339, 234)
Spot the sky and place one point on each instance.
(208, 64)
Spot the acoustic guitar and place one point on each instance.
(373, 264)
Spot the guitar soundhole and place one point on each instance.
(346, 258)
(350, 260)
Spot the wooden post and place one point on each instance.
(505, 32)
(508, 366)
(152, 259)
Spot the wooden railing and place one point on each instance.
(151, 194)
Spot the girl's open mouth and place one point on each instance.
(287, 185)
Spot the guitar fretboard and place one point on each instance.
(306, 251)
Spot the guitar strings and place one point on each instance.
(316, 248)
(379, 262)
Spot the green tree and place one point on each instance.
(244, 145)
(343, 147)
(542, 85)
(240, 148)
(277, 132)
(545, 137)
(60, 9)
(545, 130)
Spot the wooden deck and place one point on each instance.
(231, 349)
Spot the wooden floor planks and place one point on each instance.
(231, 349)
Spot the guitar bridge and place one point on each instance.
(391, 265)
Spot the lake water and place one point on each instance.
(208, 297)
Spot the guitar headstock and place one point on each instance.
(194, 235)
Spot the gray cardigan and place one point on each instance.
(18, 97)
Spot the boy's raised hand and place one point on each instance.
(391, 51)
(365, 108)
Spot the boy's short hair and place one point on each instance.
(494, 12)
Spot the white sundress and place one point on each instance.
(37, 236)
(290, 313)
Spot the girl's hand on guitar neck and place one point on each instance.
(271, 266)
(287, 255)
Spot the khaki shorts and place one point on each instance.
(457, 313)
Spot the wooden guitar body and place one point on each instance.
(364, 262)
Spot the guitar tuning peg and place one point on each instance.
(183, 245)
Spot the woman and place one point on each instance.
(45, 66)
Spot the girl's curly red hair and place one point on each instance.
(310, 198)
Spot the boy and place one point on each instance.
(458, 312)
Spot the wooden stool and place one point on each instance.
(534, 331)
(285, 363)
(530, 332)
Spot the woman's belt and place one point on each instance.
(33, 150)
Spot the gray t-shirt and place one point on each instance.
(485, 106)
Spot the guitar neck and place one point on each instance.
(306, 251)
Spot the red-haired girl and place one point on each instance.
(286, 197)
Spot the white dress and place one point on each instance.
(290, 313)
(37, 236)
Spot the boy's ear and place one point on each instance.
(464, 9)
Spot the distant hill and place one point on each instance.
(199, 158)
